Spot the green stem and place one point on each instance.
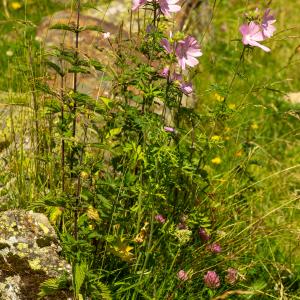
(235, 74)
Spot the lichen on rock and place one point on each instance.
(29, 254)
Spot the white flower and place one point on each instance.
(106, 35)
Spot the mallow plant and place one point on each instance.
(136, 208)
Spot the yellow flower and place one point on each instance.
(142, 234)
(232, 106)
(218, 97)
(92, 213)
(16, 5)
(84, 175)
(217, 160)
(254, 126)
(215, 138)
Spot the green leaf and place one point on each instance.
(78, 69)
(53, 285)
(61, 26)
(105, 292)
(79, 276)
(114, 132)
(96, 64)
(55, 67)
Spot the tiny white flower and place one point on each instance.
(106, 35)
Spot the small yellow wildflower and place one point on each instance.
(232, 106)
(218, 97)
(227, 129)
(92, 213)
(84, 175)
(16, 5)
(215, 138)
(254, 126)
(142, 234)
(217, 160)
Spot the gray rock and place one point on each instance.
(29, 254)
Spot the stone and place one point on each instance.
(29, 255)
(293, 98)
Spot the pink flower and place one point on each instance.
(214, 248)
(160, 219)
(186, 88)
(267, 27)
(232, 276)
(137, 4)
(166, 45)
(168, 6)
(252, 34)
(212, 280)
(203, 235)
(186, 51)
(182, 275)
(169, 129)
(165, 72)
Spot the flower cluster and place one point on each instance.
(232, 276)
(212, 280)
(182, 275)
(253, 33)
(160, 218)
(186, 52)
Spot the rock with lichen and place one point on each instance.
(29, 255)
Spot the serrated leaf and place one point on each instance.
(96, 64)
(61, 26)
(55, 67)
(105, 292)
(106, 101)
(114, 132)
(78, 69)
(41, 86)
(53, 285)
(79, 276)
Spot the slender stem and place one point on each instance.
(63, 138)
(74, 124)
(76, 60)
(235, 74)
